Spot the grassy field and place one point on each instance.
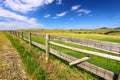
(56, 69)
(28, 58)
(104, 63)
(111, 35)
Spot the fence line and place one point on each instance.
(106, 74)
(87, 52)
(85, 65)
(102, 45)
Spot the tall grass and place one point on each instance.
(60, 71)
(98, 34)
(102, 62)
(28, 58)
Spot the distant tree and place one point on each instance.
(103, 28)
(70, 30)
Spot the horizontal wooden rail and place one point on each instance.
(106, 74)
(79, 61)
(35, 34)
(87, 52)
(101, 45)
(85, 65)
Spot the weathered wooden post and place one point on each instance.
(29, 37)
(101, 45)
(118, 78)
(10, 32)
(119, 49)
(21, 35)
(79, 61)
(47, 47)
(13, 32)
(18, 34)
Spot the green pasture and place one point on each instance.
(33, 59)
(102, 62)
(110, 35)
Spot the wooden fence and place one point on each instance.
(106, 74)
(102, 45)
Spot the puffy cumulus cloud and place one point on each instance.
(75, 7)
(85, 11)
(25, 5)
(12, 25)
(11, 20)
(13, 16)
(62, 14)
(46, 16)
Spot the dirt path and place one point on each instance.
(11, 66)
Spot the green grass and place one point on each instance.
(28, 58)
(61, 71)
(83, 31)
(97, 34)
(102, 62)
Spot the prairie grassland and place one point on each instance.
(3, 41)
(85, 34)
(54, 70)
(102, 62)
(11, 66)
(101, 37)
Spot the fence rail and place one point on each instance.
(106, 74)
(102, 45)
(85, 65)
(87, 52)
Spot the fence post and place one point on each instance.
(47, 47)
(119, 50)
(118, 78)
(13, 32)
(21, 35)
(18, 34)
(29, 36)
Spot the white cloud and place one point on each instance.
(25, 5)
(12, 25)
(11, 15)
(58, 2)
(14, 20)
(62, 14)
(46, 16)
(85, 11)
(75, 7)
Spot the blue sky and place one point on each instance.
(59, 14)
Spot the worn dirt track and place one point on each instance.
(11, 66)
